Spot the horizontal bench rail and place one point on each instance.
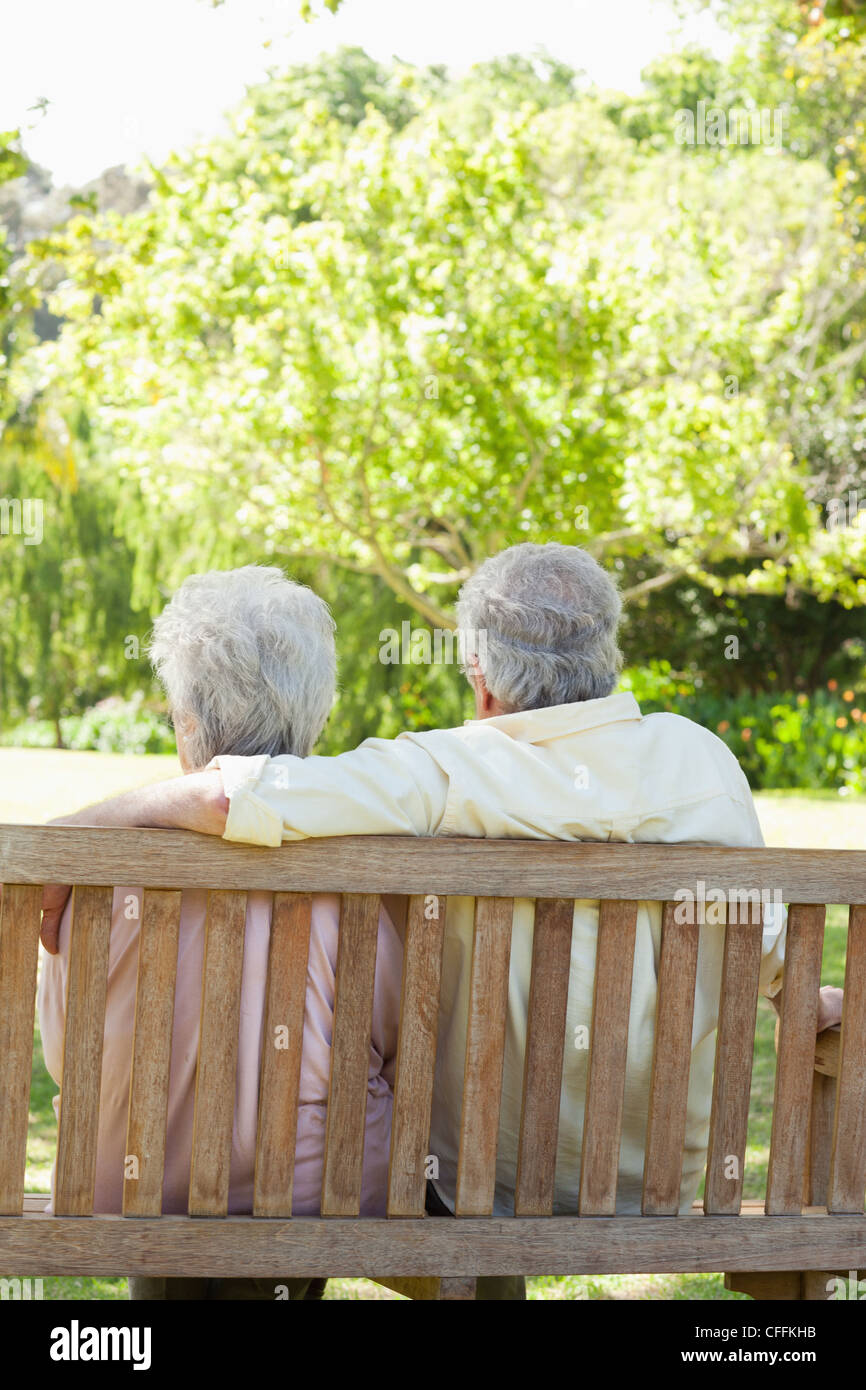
(236, 1246)
(386, 864)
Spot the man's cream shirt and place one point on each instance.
(597, 770)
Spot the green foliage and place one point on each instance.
(64, 587)
(402, 339)
(112, 726)
(673, 82)
(815, 741)
(65, 612)
(12, 160)
(392, 322)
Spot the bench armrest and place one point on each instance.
(826, 1049)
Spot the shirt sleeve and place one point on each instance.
(773, 961)
(385, 787)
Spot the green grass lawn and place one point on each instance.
(39, 784)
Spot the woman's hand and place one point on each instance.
(55, 896)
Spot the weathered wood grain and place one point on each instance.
(795, 1060)
(819, 1145)
(422, 1247)
(602, 1125)
(543, 1059)
(86, 984)
(732, 1077)
(848, 1160)
(485, 1055)
(216, 1073)
(474, 867)
(779, 1286)
(416, 1056)
(826, 1050)
(151, 1057)
(282, 1045)
(20, 917)
(350, 1055)
(672, 1053)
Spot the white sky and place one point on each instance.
(127, 77)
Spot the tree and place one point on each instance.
(398, 347)
(64, 574)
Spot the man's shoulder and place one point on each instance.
(433, 738)
(695, 748)
(456, 741)
(680, 728)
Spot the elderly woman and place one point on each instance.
(248, 663)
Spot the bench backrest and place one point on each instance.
(494, 873)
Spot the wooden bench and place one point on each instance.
(811, 1225)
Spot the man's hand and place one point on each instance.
(54, 899)
(829, 1007)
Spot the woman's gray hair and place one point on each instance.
(549, 615)
(247, 657)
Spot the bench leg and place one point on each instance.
(423, 1289)
(787, 1286)
(819, 1285)
(780, 1285)
(429, 1290)
(451, 1289)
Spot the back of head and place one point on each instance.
(541, 621)
(248, 662)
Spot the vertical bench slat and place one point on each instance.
(608, 1052)
(545, 1048)
(816, 1179)
(416, 1057)
(669, 1087)
(795, 1061)
(20, 918)
(848, 1162)
(485, 1056)
(350, 1055)
(216, 1073)
(732, 1077)
(281, 1064)
(86, 984)
(151, 1057)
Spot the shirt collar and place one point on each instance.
(539, 725)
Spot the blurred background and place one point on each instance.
(371, 294)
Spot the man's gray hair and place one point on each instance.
(249, 656)
(550, 614)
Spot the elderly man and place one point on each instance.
(553, 753)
